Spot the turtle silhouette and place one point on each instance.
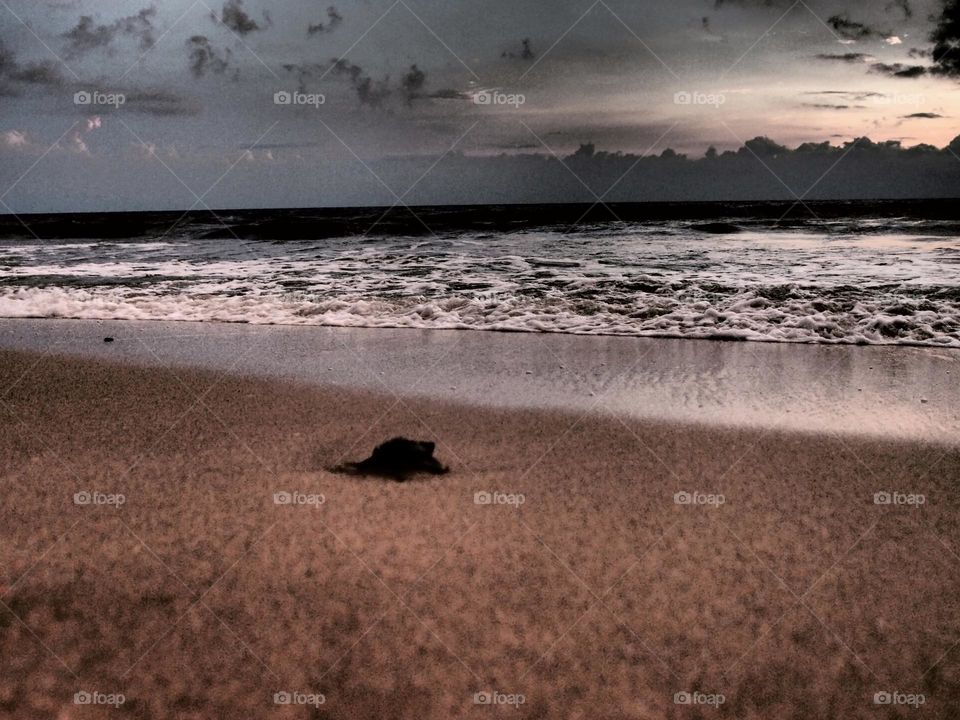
(397, 458)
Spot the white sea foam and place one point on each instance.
(662, 281)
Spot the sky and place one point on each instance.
(181, 103)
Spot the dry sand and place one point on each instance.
(598, 597)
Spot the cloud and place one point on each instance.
(38, 73)
(526, 51)
(34, 73)
(304, 72)
(923, 116)
(946, 39)
(850, 30)
(87, 35)
(334, 18)
(846, 57)
(828, 106)
(7, 59)
(14, 139)
(205, 58)
(851, 95)
(74, 143)
(412, 83)
(236, 19)
(369, 91)
(945, 52)
(899, 70)
(77, 144)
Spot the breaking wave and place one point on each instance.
(857, 284)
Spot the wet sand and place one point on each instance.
(600, 595)
(876, 391)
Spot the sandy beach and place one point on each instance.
(425, 360)
(571, 565)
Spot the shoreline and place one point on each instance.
(498, 330)
(892, 392)
(599, 595)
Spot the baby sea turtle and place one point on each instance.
(397, 458)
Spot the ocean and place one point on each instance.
(864, 273)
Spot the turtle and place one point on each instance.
(397, 458)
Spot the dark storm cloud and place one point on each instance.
(844, 57)
(87, 35)
(369, 91)
(238, 20)
(946, 40)
(525, 52)
(334, 18)
(33, 73)
(899, 70)
(869, 169)
(413, 83)
(850, 30)
(945, 52)
(205, 58)
(38, 73)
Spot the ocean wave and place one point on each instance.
(758, 315)
(656, 279)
